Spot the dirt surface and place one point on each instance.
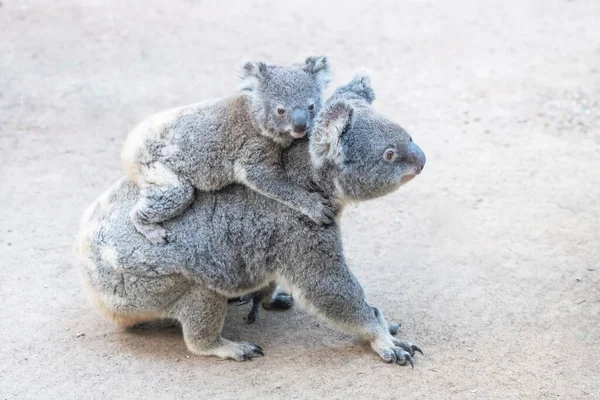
(490, 259)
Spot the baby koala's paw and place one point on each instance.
(321, 209)
(155, 233)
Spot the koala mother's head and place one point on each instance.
(365, 154)
(285, 99)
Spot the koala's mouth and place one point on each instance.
(297, 135)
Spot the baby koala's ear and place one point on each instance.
(251, 74)
(359, 86)
(318, 67)
(325, 144)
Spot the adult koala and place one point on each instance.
(235, 241)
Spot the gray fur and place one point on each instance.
(239, 139)
(236, 241)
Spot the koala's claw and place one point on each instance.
(408, 347)
(321, 211)
(409, 360)
(254, 351)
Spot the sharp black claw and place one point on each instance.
(409, 361)
(260, 352)
(258, 347)
(416, 348)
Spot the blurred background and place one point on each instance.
(490, 258)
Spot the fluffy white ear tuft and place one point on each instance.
(325, 140)
(319, 68)
(251, 74)
(360, 84)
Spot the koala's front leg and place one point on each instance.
(337, 297)
(271, 181)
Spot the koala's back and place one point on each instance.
(198, 139)
(229, 255)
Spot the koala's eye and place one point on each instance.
(390, 155)
(311, 107)
(280, 110)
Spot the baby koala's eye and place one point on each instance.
(280, 110)
(390, 155)
(311, 107)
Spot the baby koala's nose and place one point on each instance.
(299, 120)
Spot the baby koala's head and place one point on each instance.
(285, 99)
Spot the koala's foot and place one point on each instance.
(281, 301)
(321, 210)
(253, 314)
(226, 349)
(395, 351)
(269, 297)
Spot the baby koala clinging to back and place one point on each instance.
(239, 139)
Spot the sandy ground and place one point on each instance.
(490, 258)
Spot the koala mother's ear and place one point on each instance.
(318, 67)
(251, 74)
(325, 144)
(359, 87)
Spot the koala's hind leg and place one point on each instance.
(270, 298)
(159, 203)
(201, 313)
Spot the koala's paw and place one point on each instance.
(321, 210)
(399, 352)
(242, 351)
(155, 233)
(407, 346)
(281, 301)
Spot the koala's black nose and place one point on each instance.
(417, 157)
(299, 121)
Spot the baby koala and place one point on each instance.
(238, 139)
